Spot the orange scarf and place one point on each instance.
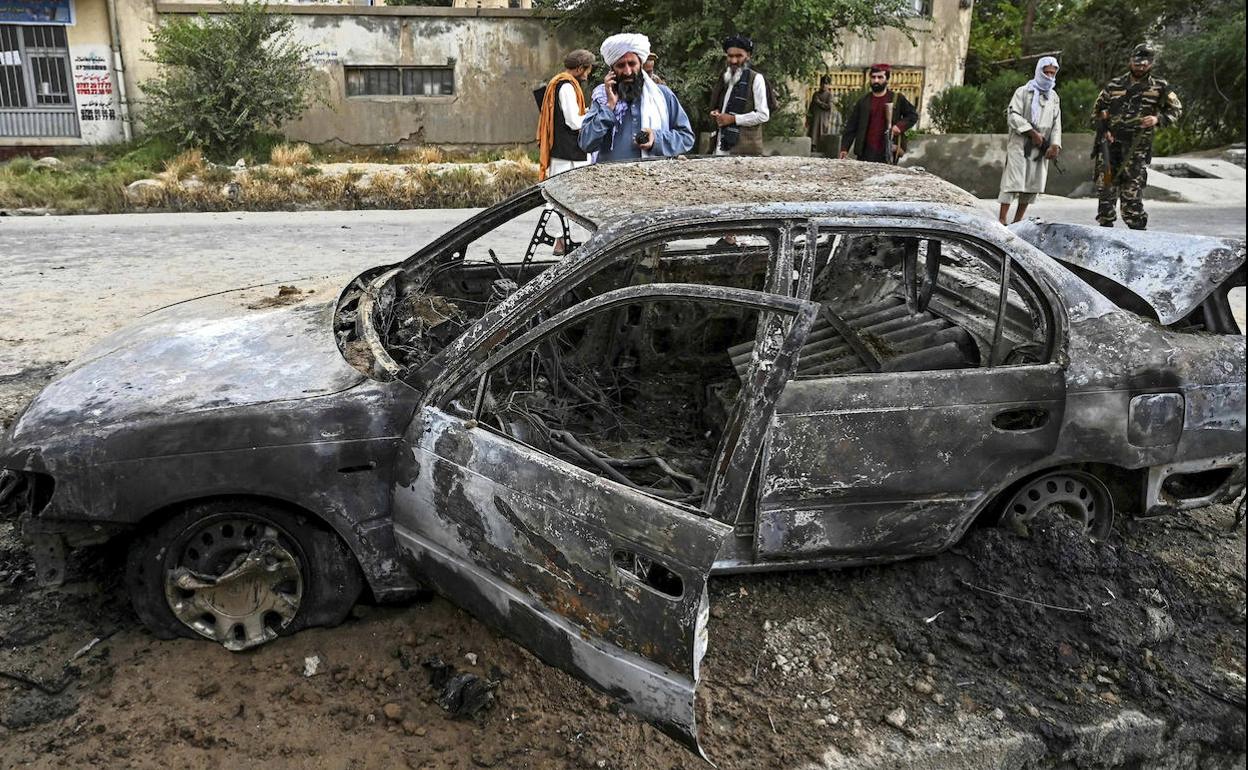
(546, 121)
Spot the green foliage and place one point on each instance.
(1205, 65)
(1078, 99)
(959, 110)
(997, 93)
(786, 122)
(442, 3)
(226, 78)
(790, 37)
(1176, 140)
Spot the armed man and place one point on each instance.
(1127, 111)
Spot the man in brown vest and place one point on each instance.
(741, 102)
(562, 113)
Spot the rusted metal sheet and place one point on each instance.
(1173, 273)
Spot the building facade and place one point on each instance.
(58, 77)
(71, 70)
(935, 60)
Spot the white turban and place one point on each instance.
(614, 47)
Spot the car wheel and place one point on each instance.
(240, 574)
(1076, 493)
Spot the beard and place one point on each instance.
(629, 90)
(878, 88)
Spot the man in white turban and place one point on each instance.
(630, 115)
(1034, 116)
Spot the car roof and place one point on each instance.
(608, 191)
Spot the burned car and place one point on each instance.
(747, 364)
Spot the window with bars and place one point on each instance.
(36, 82)
(34, 66)
(400, 81)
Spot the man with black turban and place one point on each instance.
(741, 102)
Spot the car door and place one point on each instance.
(864, 464)
(600, 579)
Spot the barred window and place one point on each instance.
(400, 81)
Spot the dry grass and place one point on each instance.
(428, 155)
(185, 164)
(291, 154)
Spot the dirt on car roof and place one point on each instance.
(612, 190)
(1023, 641)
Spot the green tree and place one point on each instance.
(790, 36)
(1205, 65)
(1078, 99)
(997, 94)
(226, 78)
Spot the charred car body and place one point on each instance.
(833, 363)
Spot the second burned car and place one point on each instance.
(824, 364)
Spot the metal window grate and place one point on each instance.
(400, 81)
(431, 81)
(36, 91)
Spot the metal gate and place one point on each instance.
(36, 88)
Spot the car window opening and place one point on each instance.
(901, 303)
(638, 393)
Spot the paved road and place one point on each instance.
(70, 280)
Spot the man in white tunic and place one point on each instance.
(1034, 117)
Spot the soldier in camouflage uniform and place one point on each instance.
(1127, 110)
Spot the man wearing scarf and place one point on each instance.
(867, 123)
(630, 116)
(739, 102)
(1034, 117)
(563, 112)
(1127, 110)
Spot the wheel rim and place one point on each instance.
(1079, 495)
(234, 579)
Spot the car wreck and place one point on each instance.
(823, 364)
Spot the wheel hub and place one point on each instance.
(236, 584)
(1080, 496)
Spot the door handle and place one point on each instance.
(1027, 418)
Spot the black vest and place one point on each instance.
(565, 145)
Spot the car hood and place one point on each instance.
(226, 350)
(1173, 273)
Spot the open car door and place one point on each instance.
(604, 580)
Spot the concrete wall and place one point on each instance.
(939, 50)
(974, 162)
(499, 56)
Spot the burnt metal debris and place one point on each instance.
(827, 364)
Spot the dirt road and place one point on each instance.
(1008, 651)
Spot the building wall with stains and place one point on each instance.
(497, 57)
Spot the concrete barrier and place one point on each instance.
(974, 161)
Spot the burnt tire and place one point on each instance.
(1077, 493)
(295, 571)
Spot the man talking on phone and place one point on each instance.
(630, 115)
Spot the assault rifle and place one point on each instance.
(1029, 145)
(888, 133)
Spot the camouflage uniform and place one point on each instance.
(1127, 99)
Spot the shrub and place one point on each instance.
(958, 110)
(997, 94)
(1176, 140)
(1078, 99)
(225, 78)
